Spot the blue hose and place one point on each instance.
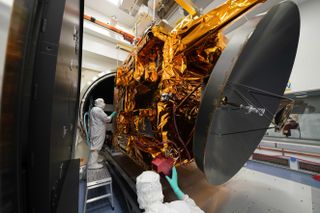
(86, 118)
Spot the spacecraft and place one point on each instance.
(191, 93)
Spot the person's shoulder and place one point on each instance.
(96, 109)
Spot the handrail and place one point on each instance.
(126, 36)
(289, 152)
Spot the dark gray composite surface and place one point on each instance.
(252, 70)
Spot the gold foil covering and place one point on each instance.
(160, 83)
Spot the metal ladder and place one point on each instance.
(99, 178)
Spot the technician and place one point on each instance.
(150, 196)
(98, 122)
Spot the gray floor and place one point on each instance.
(288, 174)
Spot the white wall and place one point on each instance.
(306, 70)
(99, 47)
(98, 63)
(103, 47)
(86, 77)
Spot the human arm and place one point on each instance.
(113, 114)
(173, 181)
(110, 117)
(103, 116)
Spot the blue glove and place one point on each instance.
(174, 184)
(113, 114)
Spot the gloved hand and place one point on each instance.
(173, 181)
(113, 114)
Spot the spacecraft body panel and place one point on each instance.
(159, 86)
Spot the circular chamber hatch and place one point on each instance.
(102, 87)
(244, 91)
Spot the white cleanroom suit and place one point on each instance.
(98, 122)
(150, 197)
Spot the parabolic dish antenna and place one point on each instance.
(244, 91)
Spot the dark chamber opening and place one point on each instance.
(104, 89)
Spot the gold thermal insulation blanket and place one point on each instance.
(158, 88)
